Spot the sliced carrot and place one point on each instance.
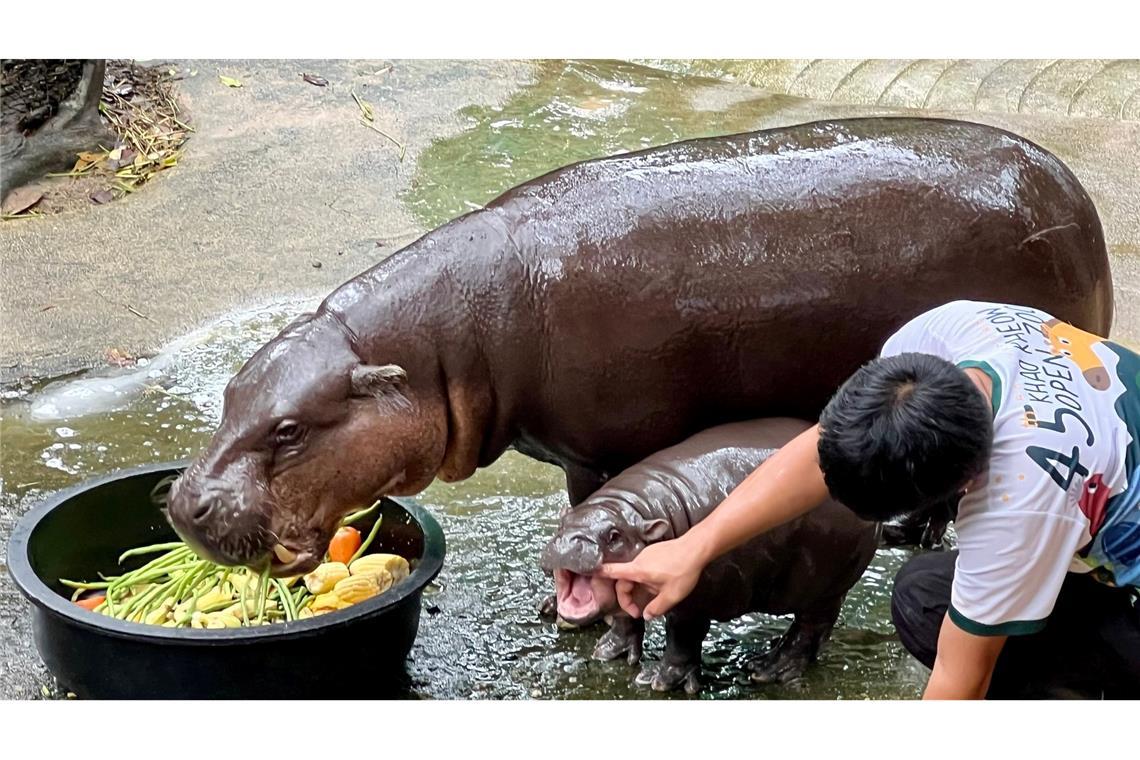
(91, 602)
(344, 544)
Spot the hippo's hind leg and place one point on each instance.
(680, 665)
(624, 637)
(790, 655)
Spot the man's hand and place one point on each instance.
(787, 485)
(964, 664)
(656, 580)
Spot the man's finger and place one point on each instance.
(619, 571)
(661, 604)
(624, 591)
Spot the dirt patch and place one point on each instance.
(141, 107)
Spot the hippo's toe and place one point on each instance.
(780, 665)
(624, 637)
(661, 676)
(548, 607)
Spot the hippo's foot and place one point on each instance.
(781, 665)
(666, 676)
(624, 637)
(791, 654)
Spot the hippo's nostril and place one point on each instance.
(203, 510)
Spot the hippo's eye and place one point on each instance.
(614, 536)
(287, 433)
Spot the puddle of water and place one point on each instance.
(480, 636)
(574, 111)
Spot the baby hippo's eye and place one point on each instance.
(287, 433)
(614, 536)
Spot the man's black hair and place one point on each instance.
(903, 434)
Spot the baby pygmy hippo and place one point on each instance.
(804, 568)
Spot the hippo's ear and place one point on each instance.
(653, 531)
(373, 380)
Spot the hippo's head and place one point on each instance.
(308, 433)
(595, 531)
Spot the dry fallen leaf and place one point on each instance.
(229, 81)
(101, 197)
(314, 79)
(119, 358)
(21, 199)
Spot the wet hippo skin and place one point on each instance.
(803, 568)
(609, 309)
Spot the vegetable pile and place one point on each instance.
(178, 589)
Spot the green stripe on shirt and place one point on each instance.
(1012, 628)
(995, 393)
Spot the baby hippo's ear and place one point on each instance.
(374, 380)
(653, 531)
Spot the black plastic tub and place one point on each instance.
(356, 652)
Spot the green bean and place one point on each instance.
(165, 560)
(145, 601)
(151, 576)
(197, 588)
(241, 600)
(263, 587)
(354, 516)
(368, 541)
(286, 600)
(82, 586)
(150, 549)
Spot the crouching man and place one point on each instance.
(1034, 426)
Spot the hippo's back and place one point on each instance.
(685, 482)
(747, 276)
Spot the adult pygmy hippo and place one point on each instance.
(609, 309)
(804, 567)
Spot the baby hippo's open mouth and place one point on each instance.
(581, 598)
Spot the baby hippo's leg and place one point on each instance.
(624, 637)
(680, 666)
(790, 655)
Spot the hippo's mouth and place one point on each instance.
(582, 598)
(285, 562)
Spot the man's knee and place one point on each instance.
(919, 601)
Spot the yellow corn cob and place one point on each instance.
(325, 576)
(357, 588)
(396, 565)
(212, 597)
(221, 620)
(327, 603)
(159, 615)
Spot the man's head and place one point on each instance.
(904, 434)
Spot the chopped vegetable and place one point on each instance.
(344, 545)
(177, 589)
(91, 602)
(325, 576)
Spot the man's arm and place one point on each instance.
(787, 485)
(964, 664)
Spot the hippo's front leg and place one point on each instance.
(680, 665)
(624, 637)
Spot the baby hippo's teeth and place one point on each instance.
(283, 554)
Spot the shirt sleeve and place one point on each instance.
(1010, 569)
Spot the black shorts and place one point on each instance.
(1090, 646)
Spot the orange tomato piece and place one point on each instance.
(344, 544)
